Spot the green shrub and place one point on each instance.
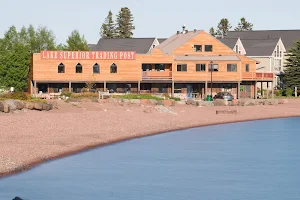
(16, 95)
(278, 93)
(137, 96)
(84, 95)
(35, 99)
(67, 94)
(175, 98)
(289, 92)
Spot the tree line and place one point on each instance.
(224, 26)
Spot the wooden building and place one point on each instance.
(178, 66)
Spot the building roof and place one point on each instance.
(288, 37)
(161, 40)
(139, 45)
(176, 40)
(259, 47)
(208, 58)
(230, 42)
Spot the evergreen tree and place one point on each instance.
(124, 23)
(292, 67)
(243, 25)
(212, 31)
(108, 27)
(223, 27)
(76, 42)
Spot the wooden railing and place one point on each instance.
(258, 76)
(158, 75)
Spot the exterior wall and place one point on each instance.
(264, 65)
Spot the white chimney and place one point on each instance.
(183, 28)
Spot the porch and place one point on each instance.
(157, 71)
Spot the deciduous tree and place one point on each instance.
(124, 23)
(76, 42)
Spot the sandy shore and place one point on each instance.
(29, 138)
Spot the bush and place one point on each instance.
(16, 95)
(138, 96)
(278, 93)
(175, 98)
(84, 95)
(289, 92)
(34, 99)
(67, 94)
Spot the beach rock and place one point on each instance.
(19, 105)
(29, 105)
(148, 110)
(164, 109)
(160, 103)
(247, 102)
(145, 102)
(234, 102)
(168, 103)
(126, 101)
(205, 103)
(1, 106)
(11, 104)
(6, 108)
(270, 102)
(219, 102)
(135, 101)
(46, 107)
(153, 101)
(38, 106)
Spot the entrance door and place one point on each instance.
(189, 88)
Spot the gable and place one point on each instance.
(203, 39)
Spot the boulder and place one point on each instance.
(46, 107)
(145, 102)
(168, 103)
(6, 108)
(38, 106)
(153, 101)
(29, 105)
(148, 110)
(219, 102)
(1, 106)
(11, 103)
(19, 105)
(135, 101)
(205, 103)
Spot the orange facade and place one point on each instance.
(186, 64)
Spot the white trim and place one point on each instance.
(241, 47)
(155, 42)
(260, 56)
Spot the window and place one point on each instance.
(61, 68)
(237, 48)
(146, 67)
(198, 48)
(231, 67)
(200, 67)
(215, 67)
(208, 48)
(113, 68)
(78, 68)
(159, 67)
(280, 54)
(182, 67)
(96, 69)
(247, 68)
(275, 53)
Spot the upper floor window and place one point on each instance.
(113, 68)
(200, 67)
(78, 68)
(231, 67)
(96, 69)
(182, 67)
(213, 67)
(159, 67)
(280, 54)
(208, 48)
(146, 67)
(237, 48)
(61, 68)
(247, 69)
(198, 48)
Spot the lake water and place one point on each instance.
(257, 160)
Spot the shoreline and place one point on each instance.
(225, 119)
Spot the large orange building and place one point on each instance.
(178, 66)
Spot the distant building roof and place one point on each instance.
(161, 40)
(176, 40)
(288, 37)
(208, 58)
(230, 42)
(259, 47)
(140, 45)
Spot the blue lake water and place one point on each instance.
(257, 160)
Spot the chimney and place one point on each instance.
(178, 32)
(183, 28)
(195, 30)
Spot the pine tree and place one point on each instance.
(212, 31)
(223, 27)
(108, 27)
(243, 25)
(292, 67)
(124, 23)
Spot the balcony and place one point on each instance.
(157, 75)
(267, 76)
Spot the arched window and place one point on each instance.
(96, 69)
(61, 68)
(113, 68)
(78, 68)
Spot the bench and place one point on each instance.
(102, 94)
(226, 112)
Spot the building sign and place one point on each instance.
(88, 55)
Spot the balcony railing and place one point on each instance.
(156, 75)
(258, 76)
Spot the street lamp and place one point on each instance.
(211, 71)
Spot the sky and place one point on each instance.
(152, 18)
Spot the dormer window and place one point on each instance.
(237, 48)
(198, 48)
(153, 46)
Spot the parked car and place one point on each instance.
(224, 95)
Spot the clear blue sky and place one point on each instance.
(153, 18)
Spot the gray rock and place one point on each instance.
(11, 103)
(1, 106)
(205, 103)
(38, 106)
(135, 101)
(153, 101)
(219, 102)
(6, 108)
(29, 105)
